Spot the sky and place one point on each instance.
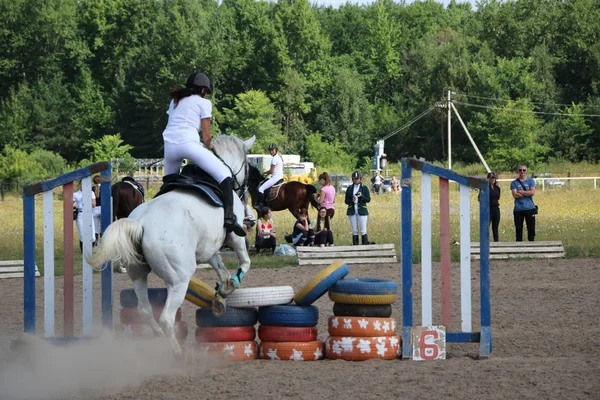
(337, 3)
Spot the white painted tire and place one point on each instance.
(261, 296)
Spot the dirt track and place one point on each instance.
(546, 344)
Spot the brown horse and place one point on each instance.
(292, 195)
(126, 197)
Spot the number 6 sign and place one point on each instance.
(429, 343)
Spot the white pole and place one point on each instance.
(470, 138)
(48, 264)
(449, 135)
(426, 257)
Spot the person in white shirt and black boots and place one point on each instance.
(97, 210)
(189, 113)
(276, 172)
(357, 197)
(494, 204)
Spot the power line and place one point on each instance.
(526, 111)
(509, 100)
(409, 123)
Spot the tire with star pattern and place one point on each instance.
(230, 351)
(361, 326)
(354, 348)
(292, 351)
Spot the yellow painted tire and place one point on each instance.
(362, 298)
(200, 293)
(317, 287)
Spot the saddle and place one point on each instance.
(195, 180)
(272, 192)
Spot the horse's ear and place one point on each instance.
(248, 143)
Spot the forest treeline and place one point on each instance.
(321, 82)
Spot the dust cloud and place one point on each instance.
(38, 369)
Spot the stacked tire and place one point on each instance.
(362, 327)
(232, 335)
(289, 333)
(131, 323)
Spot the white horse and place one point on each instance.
(174, 232)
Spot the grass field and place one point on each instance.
(569, 214)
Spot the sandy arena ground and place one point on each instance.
(546, 345)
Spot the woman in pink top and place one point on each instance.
(327, 194)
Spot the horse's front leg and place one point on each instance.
(223, 288)
(238, 245)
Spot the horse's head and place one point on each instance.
(232, 150)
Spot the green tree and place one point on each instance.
(16, 165)
(330, 156)
(255, 115)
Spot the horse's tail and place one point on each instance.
(120, 244)
(311, 191)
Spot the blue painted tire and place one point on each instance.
(321, 283)
(232, 317)
(157, 296)
(363, 291)
(291, 315)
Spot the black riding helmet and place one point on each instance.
(356, 175)
(273, 146)
(198, 80)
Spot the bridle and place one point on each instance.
(240, 189)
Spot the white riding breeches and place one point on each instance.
(198, 154)
(97, 213)
(79, 224)
(268, 184)
(358, 221)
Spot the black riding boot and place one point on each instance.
(230, 220)
(354, 240)
(259, 202)
(365, 239)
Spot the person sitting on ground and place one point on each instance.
(265, 233)
(323, 234)
(303, 234)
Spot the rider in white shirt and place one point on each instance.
(276, 172)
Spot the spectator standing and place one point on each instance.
(78, 200)
(523, 190)
(327, 194)
(97, 210)
(377, 181)
(395, 184)
(357, 197)
(494, 204)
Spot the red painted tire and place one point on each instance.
(354, 348)
(292, 351)
(225, 334)
(267, 333)
(130, 315)
(143, 331)
(231, 351)
(361, 326)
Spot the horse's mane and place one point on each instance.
(254, 174)
(228, 144)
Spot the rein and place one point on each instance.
(239, 189)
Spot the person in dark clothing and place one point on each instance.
(303, 233)
(494, 205)
(323, 233)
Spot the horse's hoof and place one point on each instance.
(218, 306)
(227, 287)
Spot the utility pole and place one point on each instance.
(449, 130)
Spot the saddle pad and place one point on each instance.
(199, 189)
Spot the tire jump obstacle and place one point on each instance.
(361, 326)
(466, 334)
(29, 239)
